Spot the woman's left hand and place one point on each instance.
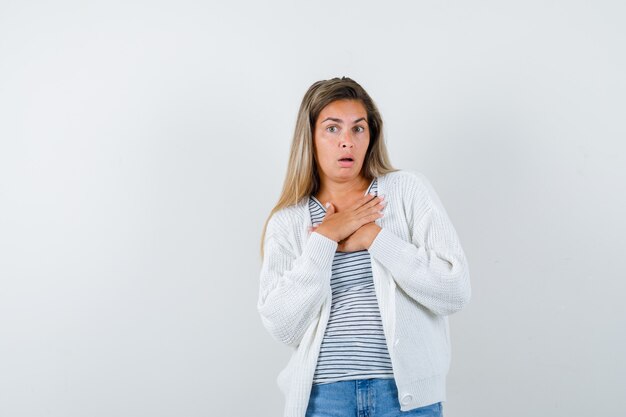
(360, 240)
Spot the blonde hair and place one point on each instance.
(302, 178)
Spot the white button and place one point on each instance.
(406, 399)
(396, 342)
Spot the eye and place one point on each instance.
(359, 129)
(332, 129)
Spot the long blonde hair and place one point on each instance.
(302, 178)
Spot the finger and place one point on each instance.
(370, 218)
(330, 209)
(373, 204)
(362, 201)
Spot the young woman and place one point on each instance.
(361, 267)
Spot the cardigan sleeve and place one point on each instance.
(431, 268)
(293, 286)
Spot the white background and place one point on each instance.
(143, 143)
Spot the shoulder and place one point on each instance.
(413, 187)
(286, 229)
(287, 219)
(404, 180)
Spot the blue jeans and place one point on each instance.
(362, 398)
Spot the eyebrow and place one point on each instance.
(333, 119)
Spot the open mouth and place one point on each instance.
(346, 162)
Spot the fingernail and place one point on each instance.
(383, 203)
(327, 205)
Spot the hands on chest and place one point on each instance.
(353, 228)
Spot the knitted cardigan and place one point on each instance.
(420, 276)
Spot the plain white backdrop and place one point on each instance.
(143, 143)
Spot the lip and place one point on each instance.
(346, 164)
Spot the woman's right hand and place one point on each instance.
(338, 226)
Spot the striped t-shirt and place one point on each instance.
(354, 345)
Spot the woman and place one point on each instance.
(361, 267)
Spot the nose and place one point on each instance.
(346, 141)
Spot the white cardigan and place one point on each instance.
(420, 275)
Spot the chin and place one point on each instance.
(349, 174)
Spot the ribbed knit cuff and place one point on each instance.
(321, 250)
(391, 251)
(387, 247)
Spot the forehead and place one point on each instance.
(347, 110)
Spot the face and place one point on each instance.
(341, 138)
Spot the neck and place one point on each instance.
(338, 191)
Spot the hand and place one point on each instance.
(338, 226)
(361, 239)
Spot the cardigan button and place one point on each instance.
(396, 342)
(406, 399)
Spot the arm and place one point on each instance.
(293, 287)
(431, 268)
